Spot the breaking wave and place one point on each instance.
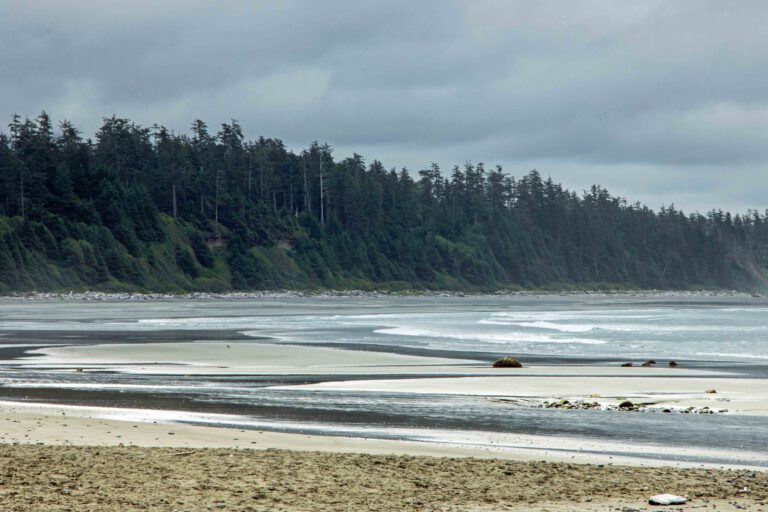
(497, 338)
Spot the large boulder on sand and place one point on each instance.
(627, 405)
(507, 362)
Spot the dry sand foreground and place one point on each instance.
(58, 478)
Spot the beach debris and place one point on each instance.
(507, 362)
(627, 365)
(672, 364)
(711, 391)
(667, 499)
(649, 363)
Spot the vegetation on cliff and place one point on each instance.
(148, 209)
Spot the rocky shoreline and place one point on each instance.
(628, 406)
(301, 294)
(622, 406)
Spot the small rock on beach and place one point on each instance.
(507, 362)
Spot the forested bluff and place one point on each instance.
(146, 209)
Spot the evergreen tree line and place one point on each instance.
(149, 209)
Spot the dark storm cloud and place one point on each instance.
(659, 101)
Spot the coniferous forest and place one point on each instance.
(147, 209)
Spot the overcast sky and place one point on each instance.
(658, 101)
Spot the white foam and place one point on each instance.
(649, 328)
(545, 325)
(733, 355)
(497, 338)
(554, 316)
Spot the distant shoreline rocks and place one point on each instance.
(322, 293)
(200, 296)
(648, 364)
(622, 406)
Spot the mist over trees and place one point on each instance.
(148, 209)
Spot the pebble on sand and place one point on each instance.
(667, 499)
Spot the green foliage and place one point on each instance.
(152, 210)
(200, 249)
(186, 262)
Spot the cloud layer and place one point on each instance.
(659, 101)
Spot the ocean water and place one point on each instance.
(684, 332)
(694, 328)
(709, 331)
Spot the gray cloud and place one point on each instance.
(658, 101)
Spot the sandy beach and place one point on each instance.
(68, 458)
(59, 458)
(59, 478)
(155, 415)
(76, 458)
(658, 387)
(210, 358)
(43, 424)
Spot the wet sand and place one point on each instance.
(41, 424)
(674, 388)
(677, 388)
(220, 358)
(659, 388)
